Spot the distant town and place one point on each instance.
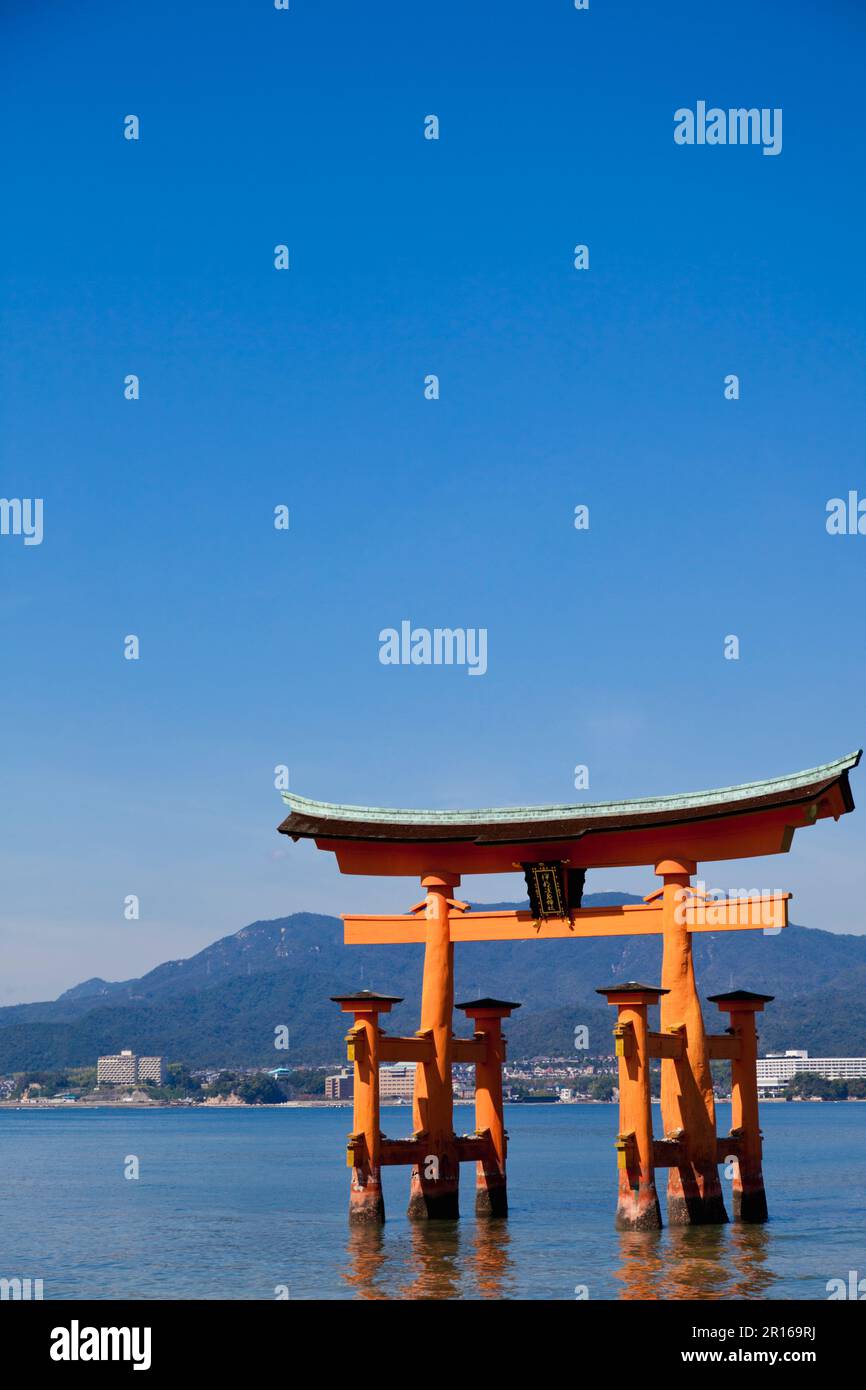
(126, 1078)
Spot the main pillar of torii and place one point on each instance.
(555, 846)
(688, 1104)
(435, 1180)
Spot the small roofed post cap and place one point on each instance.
(366, 1001)
(632, 991)
(741, 1001)
(492, 1008)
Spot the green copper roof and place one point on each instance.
(585, 810)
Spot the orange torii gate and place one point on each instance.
(555, 845)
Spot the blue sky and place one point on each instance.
(305, 387)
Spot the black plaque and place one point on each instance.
(555, 890)
(546, 886)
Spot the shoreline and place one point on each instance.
(347, 1104)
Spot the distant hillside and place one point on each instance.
(222, 1005)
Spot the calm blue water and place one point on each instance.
(233, 1203)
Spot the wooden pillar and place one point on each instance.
(749, 1200)
(435, 1181)
(688, 1106)
(637, 1207)
(366, 1202)
(491, 1189)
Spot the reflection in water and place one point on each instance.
(750, 1250)
(439, 1260)
(433, 1262)
(696, 1262)
(641, 1264)
(366, 1260)
(491, 1260)
(430, 1260)
(699, 1262)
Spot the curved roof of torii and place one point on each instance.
(728, 822)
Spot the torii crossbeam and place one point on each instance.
(555, 845)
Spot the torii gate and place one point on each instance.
(555, 845)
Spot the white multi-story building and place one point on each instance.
(125, 1069)
(776, 1069)
(118, 1069)
(152, 1069)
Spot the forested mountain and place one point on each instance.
(222, 1005)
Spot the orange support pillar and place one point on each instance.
(637, 1207)
(688, 1106)
(749, 1198)
(435, 1181)
(366, 1203)
(491, 1189)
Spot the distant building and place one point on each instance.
(280, 1073)
(777, 1068)
(152, 1069)
(341, 1086)
(125, 1069)
(117, 1070)
(397, 1082)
